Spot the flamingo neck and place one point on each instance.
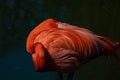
(38, 56)
(45, 25)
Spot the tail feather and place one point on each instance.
(112, 43)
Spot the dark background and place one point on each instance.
(19, 17)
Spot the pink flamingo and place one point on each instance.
(61, 47)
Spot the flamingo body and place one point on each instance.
(57, 46)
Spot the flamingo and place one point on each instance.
(62, 47)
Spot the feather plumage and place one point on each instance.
(66, 45)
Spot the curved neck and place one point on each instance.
(39, 56)
(42, 59)
(45, 25)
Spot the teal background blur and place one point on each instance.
(19, 17)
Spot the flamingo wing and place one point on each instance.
(69, 47)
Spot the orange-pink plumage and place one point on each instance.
(57, 46)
